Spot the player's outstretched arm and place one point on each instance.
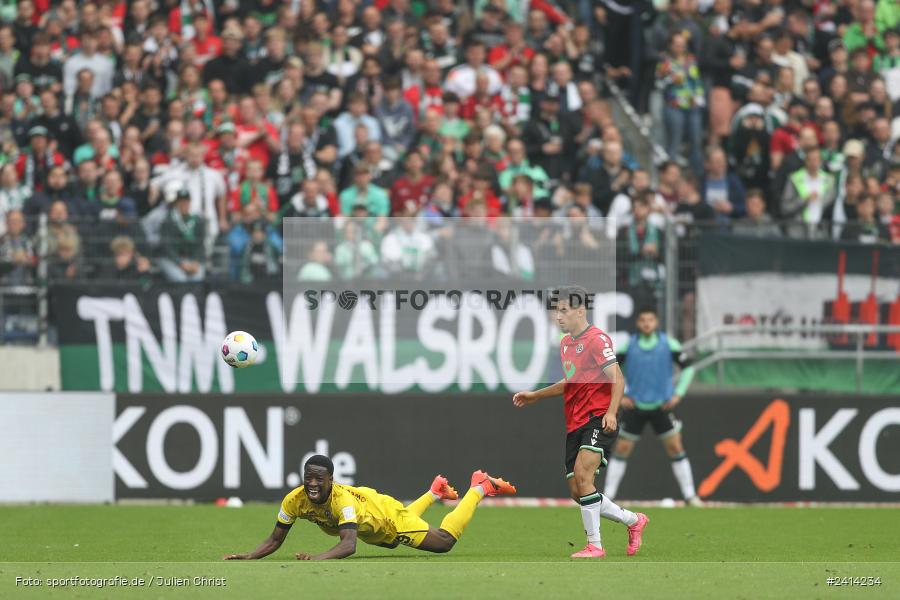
(344, 548)
(521, 399)
(267, 547)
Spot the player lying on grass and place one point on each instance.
(353, 513)
(592, 390)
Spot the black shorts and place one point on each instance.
(589, 436)
(634, 420)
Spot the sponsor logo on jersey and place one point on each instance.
(565, 348)
(569, 368)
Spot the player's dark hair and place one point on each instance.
(575, 295)
(647, 309)
(320, 460)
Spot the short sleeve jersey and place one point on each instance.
(588, 391)
(363, 508)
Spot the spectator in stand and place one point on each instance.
(255, 246)
(205, 187)
(461, 79)
(786, 140)
(549, 140)
(691, 208)
(309, 202)
(757, 222)
(45, 72)
(483, 193)
(229, 67)
(413, 186)
(293, 165)
(34, 164)
(396, 119)
(126, 264)
(720, 189)
(440, 205)
(406, 249)
(355, 255)
(110, 193)
(255, 133)
(888, 214)
(679, 77)
(60, 126)
(581, 196)
(519, 199)
(509, 258)
(183, 253)
(866, 228)
(880, 148)
(98, 148)
(318, 263)
(640, 250)
(256, 189)
(58, 225)
(346, 124)
(17, 257)
(606, 173)
(13, 195)
(810, 191)
(517, 164)
(364, 192)
(864, 33)
(64, 260)
(87, 57)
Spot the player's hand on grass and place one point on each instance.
(672, 403)
(521, 399)
(627, 403)
(303, 556)
(235, 557)
(609, 423)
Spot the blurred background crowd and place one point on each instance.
(170, 139)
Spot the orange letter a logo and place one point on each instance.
(737, 454)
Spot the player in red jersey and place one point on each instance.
(592, 390)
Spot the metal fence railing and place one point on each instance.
(715, 351)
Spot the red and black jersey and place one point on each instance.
(588, 391)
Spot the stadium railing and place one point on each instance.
(715, 351)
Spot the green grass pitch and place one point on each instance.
(750, 553)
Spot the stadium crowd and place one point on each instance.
(170, 139)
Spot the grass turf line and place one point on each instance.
(722, 553)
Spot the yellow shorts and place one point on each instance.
(410, 527)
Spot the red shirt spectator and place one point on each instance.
(490, 200)
(413, 186)
(255, 133)
(206, 45)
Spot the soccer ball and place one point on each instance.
(239, 349)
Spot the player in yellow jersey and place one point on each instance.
(360, 513)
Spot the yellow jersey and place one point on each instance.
(379, 519)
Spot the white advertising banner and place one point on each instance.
(56, 447)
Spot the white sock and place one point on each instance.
(614, 512)
(681, 466)
(590, 517)
(615, 470)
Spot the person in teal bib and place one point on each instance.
(648, 360)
